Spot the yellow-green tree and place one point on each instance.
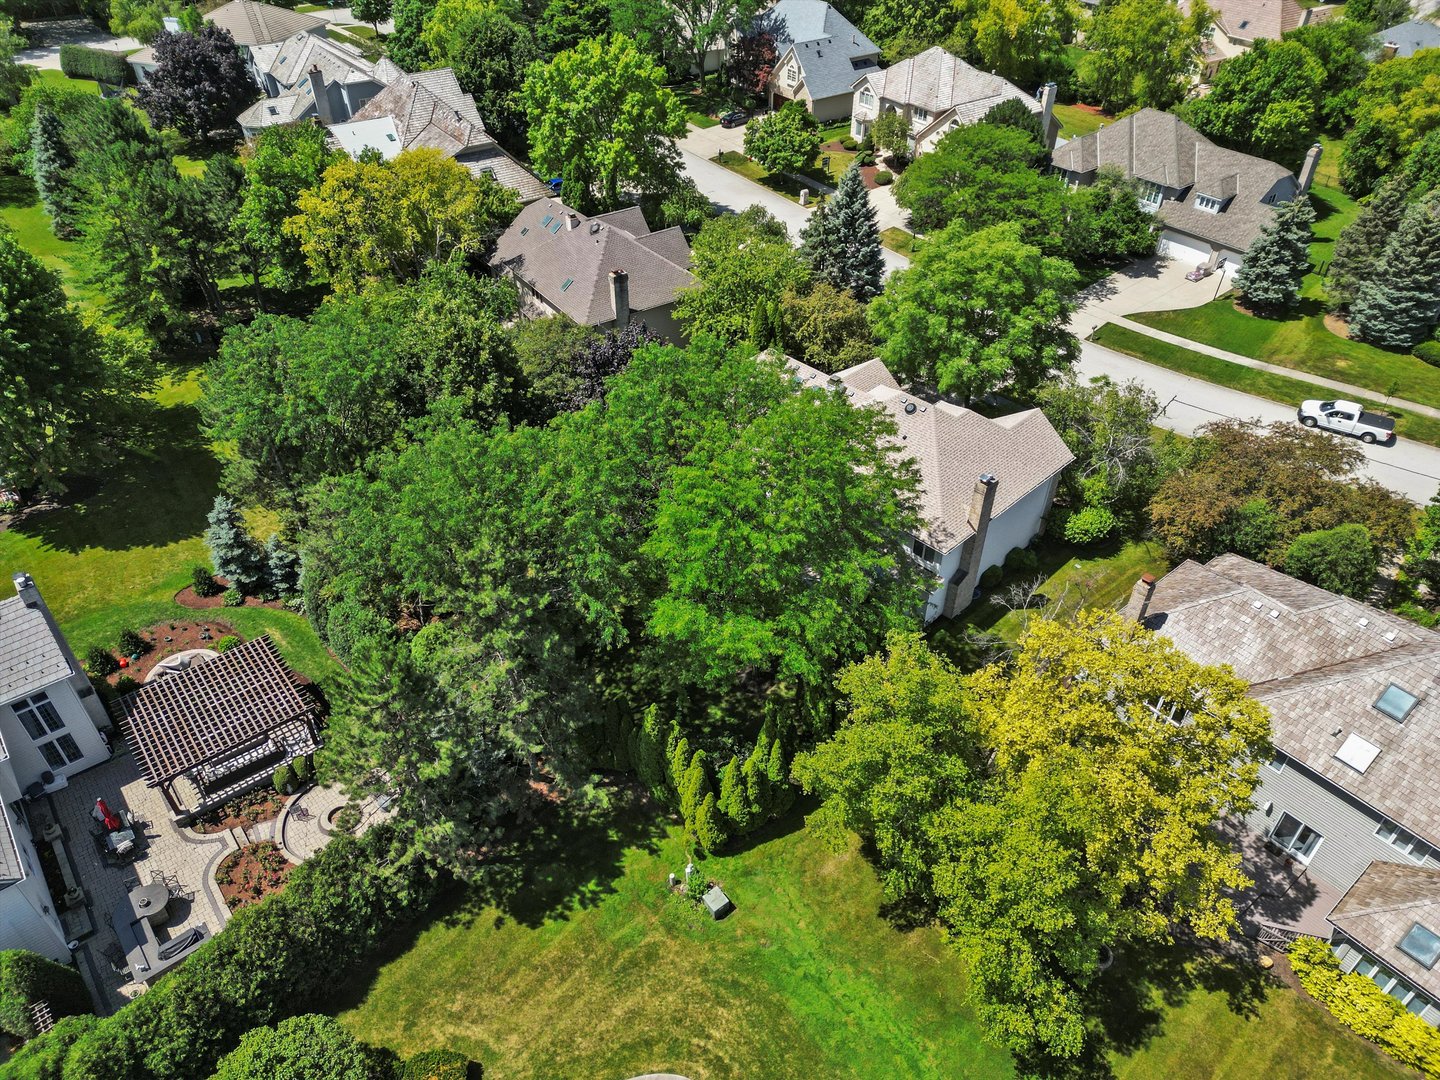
(385, 220)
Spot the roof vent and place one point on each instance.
(1390, 635)
(1274, 614)
(1358, 753)
(909, 408)
(1256, 604)
(594, 227)
(1363, 623)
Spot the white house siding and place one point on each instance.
(1018, 525)
(27, 913)
(1349, 843)
(25, 757)
(1182, 248)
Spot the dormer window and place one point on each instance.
(922, 115)
(1208, 203)
(1151, 194)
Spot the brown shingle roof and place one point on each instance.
(937, 82)
(1380, 909)
(1319, 662)
(185, 719)
(952, 447)
(252, 23)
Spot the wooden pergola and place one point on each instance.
(219, 728)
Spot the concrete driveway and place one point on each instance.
(1154, 284)
(707, 142)
(49, 35)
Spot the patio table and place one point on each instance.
(135, 919)
(114, 840)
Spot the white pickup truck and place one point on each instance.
(1347, 418)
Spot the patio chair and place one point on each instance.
(115, 957)
(299, 813)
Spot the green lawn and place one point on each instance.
(1301, 340)
(20, 209)
(905, 243)
(53, 75)
(575, 962)
(1281, 388)
(700, 119)
(1077, 120)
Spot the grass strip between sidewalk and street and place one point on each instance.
(1266, 384)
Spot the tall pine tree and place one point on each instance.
(1399, 305)
(841, 241)
(232, 551)
(1363, 241)
(1279, 259)
(53, 166)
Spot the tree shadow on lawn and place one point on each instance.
(157, 491)
(568, 857)
(17, 191)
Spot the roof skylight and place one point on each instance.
(1422, 945)
(1396, 703)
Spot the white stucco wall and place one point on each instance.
(25, 757)
(1018, 525)
(27, 912)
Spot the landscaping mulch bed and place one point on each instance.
(167, 639)
(187, 597)
(252, 873)
(250, 809)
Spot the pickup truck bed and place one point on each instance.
(1385, 423)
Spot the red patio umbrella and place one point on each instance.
(106, 815)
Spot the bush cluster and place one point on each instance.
(277, 958)
(83, 62)
(1364, 1008)
(226, 643)
(234, 598)
(437, 1065)
(284, 780)
(1090, 525)
(1429, 351)
(27, 977)
(100, 662)
(884, 178)
(130, 643)
(203, 581)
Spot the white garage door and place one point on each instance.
(1182, 249)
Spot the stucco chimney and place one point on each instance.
(26, 590)
(1141, 595)
(1307, 171)
(620, 297)
(572, 222)
(1048, 93)
(322, 95)
(1388, 50)
(982, 504)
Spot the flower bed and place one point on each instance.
(256, 806)
(252, 873)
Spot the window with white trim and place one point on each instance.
(1392, 984)
(40, 719)
(924, 553)
(1277, 762)
(1151, 194)
(921, 115)
(866, 97)
(1294, 837)
(1405, 840)
(1208, 203)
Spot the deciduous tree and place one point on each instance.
(1278, 260)
(1394, 111)
(740, 260)
(1344, 48)
(406, 45)
(825, 327)
(305, 1045)
(14, 77)
(784, 141)
(372, 11)
(600, 116)
(1342, 559)
(751, 60)
(199, 83)
(978, 312)
(493, 50)
(1143, 52)
(281, 163)
(1265, 101)
(1107, 222)
(890, 132)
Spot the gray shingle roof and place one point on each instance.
(1410, 37)
(830, 49)
(938, 82)
(1159, 147)
(289, 61)
(570, 267)
(1381, 907)
(11, 868)
(252, 23)
(1319, 663)
(952, 446)
(30, 656)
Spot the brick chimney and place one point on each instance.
(1048, 94)
(620, 297)
(1388, 51)
(322, 96)
(1141, 595)
(1307, 171)
(982, 504)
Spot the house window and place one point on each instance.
(1294, 837)
(1151, 194)
(1208, 203)
(866, 97)
(1404, 839)
(1396, 703)
(63, 751)
(1277, 762)
(922, 115)
(926, 554)
(1422, 945)
(1391, 983)
(38, 716)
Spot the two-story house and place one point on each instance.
(1213, 202)
(308, 75)
(818, 56)
(50, 729)
(253, 25)
(937, 93)
(986, 485)
(1345, 830)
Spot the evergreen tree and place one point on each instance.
(1363, 241)
(232, 551)
(782, 795)
(52, 165)
(282, 567)
(709, 829)
(757, 788)
(694, 786)
(734, 800)
(841, 241)
(1279, 259)
(679, 762)
(1400, 304)
(647, 751)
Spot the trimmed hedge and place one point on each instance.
(438, 1065)
(1429, 351)
(27, 977)
(1364, 1008)
(100, 662)
(884, 178)
(275, 959)
(83, 62)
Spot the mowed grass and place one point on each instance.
(1266, 384)
(1077, 120)
(578, 964)
(896, 239)
(1301, 340)
(21, 211)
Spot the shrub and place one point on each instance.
(226, 643)
(1342, 559)
(992, 577)
(283, 779)
(27, 977)
(865, 157)
(234, 598)
(100, 662)
(436, 1065)
(1429, 351)
(81, 62)
(1021, 561)
(203, 581)
(1090, 525)
(132, 644)
(1363, 1007)
(849, 143)
(348, 819)
(126, 685)
(884, 178)
(302, 770)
